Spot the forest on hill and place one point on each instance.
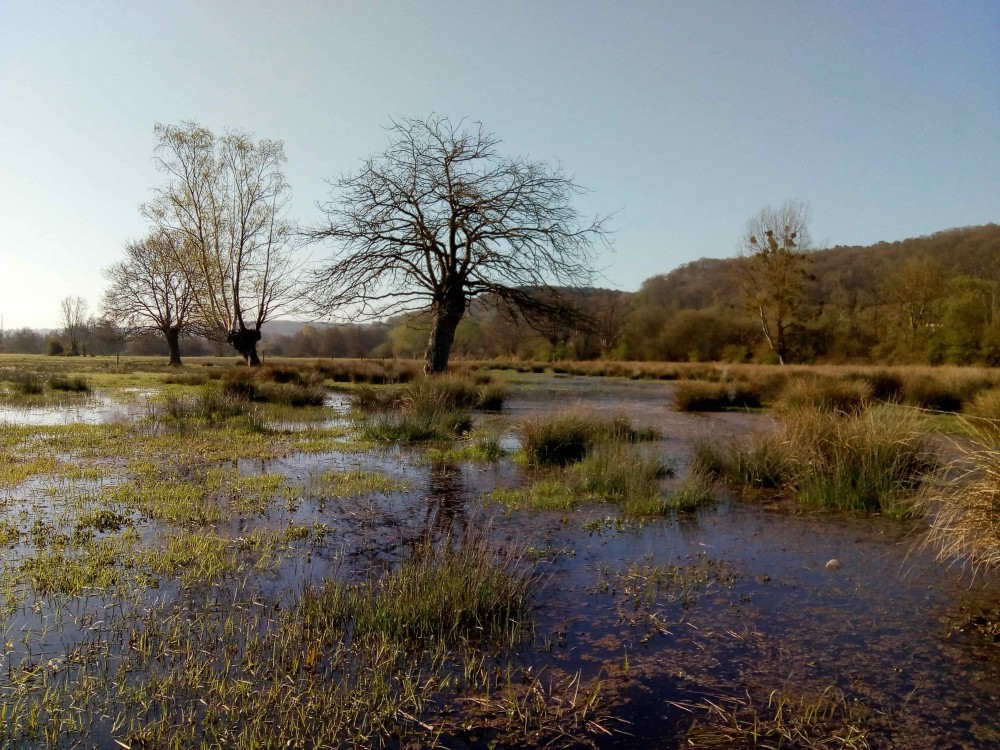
(931, 299)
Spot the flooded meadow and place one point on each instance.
(184, 568)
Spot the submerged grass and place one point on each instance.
(823, 722)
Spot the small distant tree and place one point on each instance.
(148, 292)
(774, 271)
(112, 335)
(225, 203)
(73, 314)
(441, 218)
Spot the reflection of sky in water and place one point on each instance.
(887, 626)
(96, 409)
(102, 409)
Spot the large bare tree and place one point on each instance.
(440, 218)
(148, 293)
(73, 314)
(225, 199)
(774, 270)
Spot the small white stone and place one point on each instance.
(833, 564)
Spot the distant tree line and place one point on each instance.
(930, 299)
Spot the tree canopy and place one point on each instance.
(441, 218)
(225, 200)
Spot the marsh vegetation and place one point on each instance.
(335, 554)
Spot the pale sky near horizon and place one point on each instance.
(684, 117)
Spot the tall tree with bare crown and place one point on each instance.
(440, 218)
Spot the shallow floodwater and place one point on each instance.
(756, 609)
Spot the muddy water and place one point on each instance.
(886, 625)
(753, 606)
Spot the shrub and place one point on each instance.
(55, 348)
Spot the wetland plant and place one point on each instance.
(874, 460)
(69, 384)
(702, 395)
(845, 395)
(963, 504)
(27, 383)
(566, 437)
(827, 721)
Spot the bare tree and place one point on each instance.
(73, 315)
(226, 200)
(149, 293)
(440, 218)
(774, 271)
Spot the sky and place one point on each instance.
(683, 118)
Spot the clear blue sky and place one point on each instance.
(685, 117)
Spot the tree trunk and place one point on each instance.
(448, 314)
(173, 344)
(245, 342)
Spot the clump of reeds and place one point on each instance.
(963, 504)
(615, 471)
(985, 405)
(441, 593)
(702, 395)
(433, 393)
(415, 426)
(762, 463)
(873, 460)
(186, 378)
(845, 395)
(245, 385)
(374, 372)
(566, 437)
(885, 385)
(70, 383)
(430, 408)
(27, 383)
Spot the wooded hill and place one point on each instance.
(928, 299)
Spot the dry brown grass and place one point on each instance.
(964, 506)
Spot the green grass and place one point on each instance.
(415, 427)
(566, 437)
(874, 460)
(440, 594)
(826, 721)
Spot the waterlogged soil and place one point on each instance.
(734, 601)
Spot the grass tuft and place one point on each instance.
(871, 461)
